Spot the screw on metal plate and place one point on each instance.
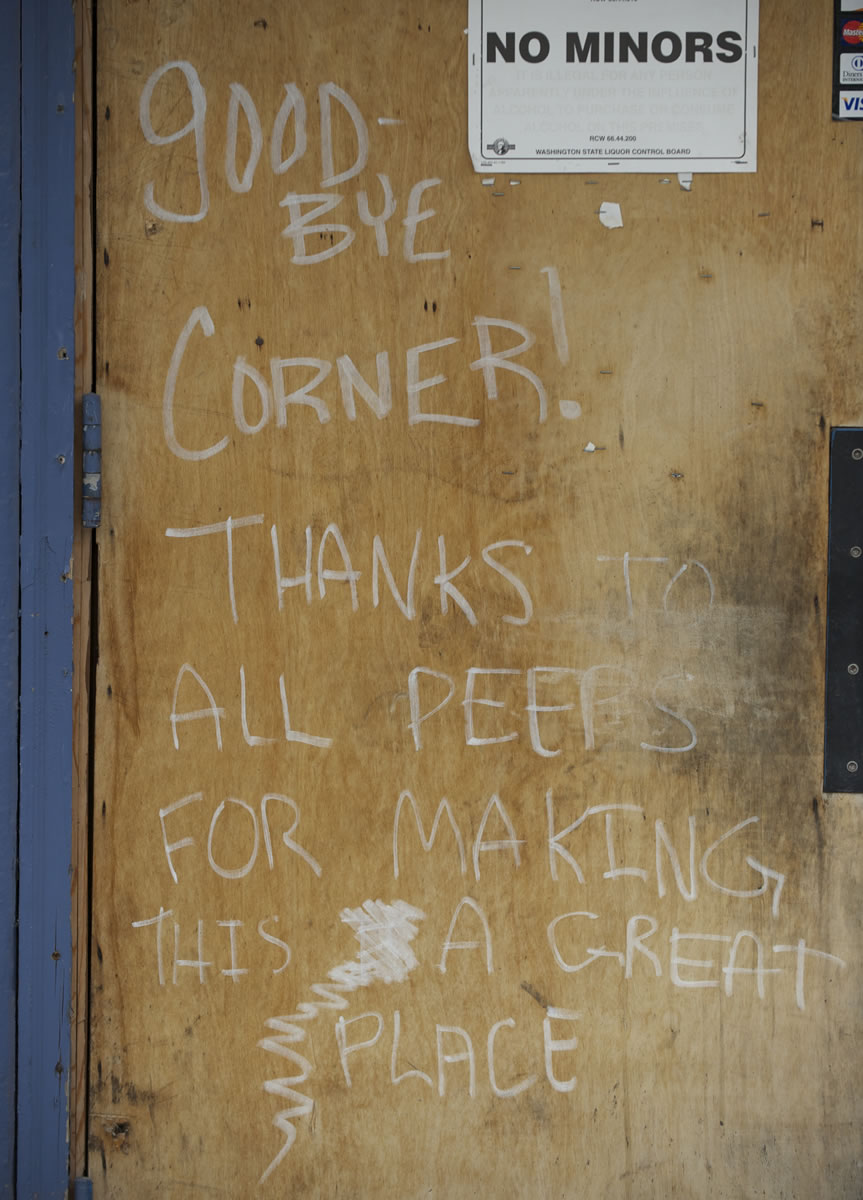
(853, 669)
(857, 454)
(851, 767)
(856, 551)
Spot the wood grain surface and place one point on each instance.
(458, 825)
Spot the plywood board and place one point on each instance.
(458, 823)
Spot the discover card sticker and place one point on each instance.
(613, 85)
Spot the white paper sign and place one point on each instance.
(613, 85)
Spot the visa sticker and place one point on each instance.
(851, 105)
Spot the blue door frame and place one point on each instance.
(37, 282)
(10, 210)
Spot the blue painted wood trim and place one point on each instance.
(47, 441)
(10, 228)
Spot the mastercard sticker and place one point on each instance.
(852, 33)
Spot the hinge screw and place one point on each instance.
(857, 454)
(856, 551)
(853, 669)
(851, 767)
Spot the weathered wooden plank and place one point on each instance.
(625, 720)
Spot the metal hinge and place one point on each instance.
(91, 489)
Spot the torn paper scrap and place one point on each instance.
(684, 178)
(610, 215)
(589, 448)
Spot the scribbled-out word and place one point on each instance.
(384, 932)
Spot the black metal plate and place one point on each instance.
(843, 715)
